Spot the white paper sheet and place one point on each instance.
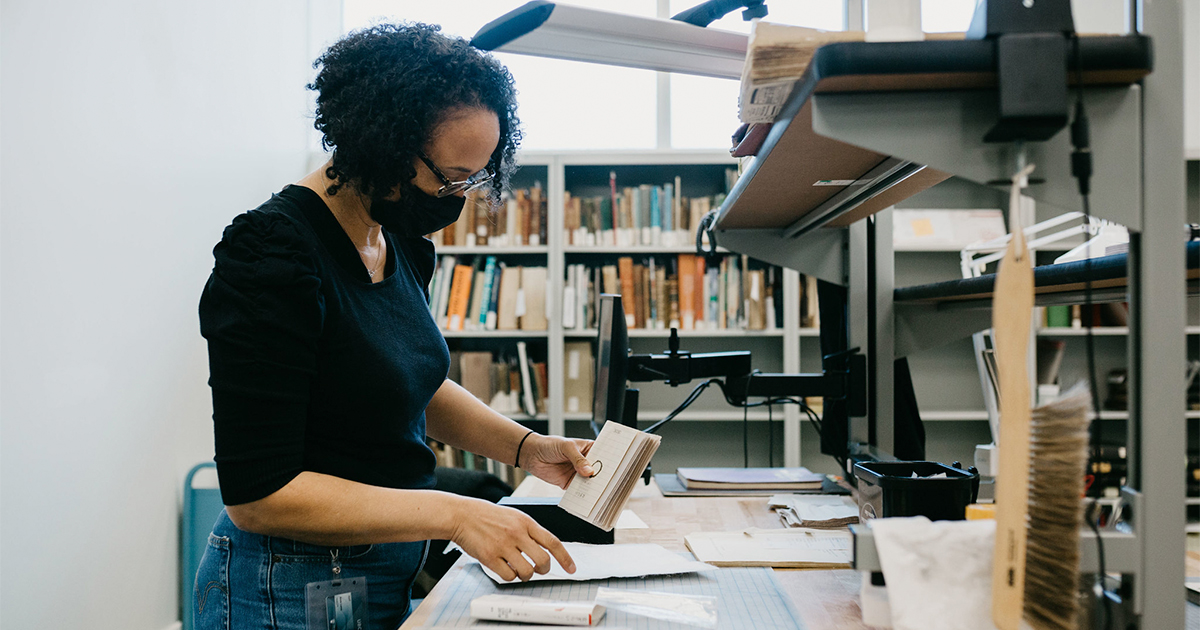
(629, 520)
(599, 562)
(814, 511)
(939, 574)
(772, 547)
(795, 500)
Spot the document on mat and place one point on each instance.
(788, 548)
(600, 562)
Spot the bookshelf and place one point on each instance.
(945, 378)
(563, 175)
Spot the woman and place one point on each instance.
(327, 370)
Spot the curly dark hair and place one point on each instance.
(383, 90)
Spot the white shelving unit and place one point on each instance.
(492, 251)
(783, 342)
(1101, 331)
(494, 334)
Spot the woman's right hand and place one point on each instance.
(505, 540)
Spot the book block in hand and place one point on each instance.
(618, 457)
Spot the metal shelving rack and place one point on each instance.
(1138, 182)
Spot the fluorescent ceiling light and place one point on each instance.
(561, 31)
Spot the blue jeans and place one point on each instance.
(250, 581)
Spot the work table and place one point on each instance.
(824, 600)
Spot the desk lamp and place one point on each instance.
(680, 44)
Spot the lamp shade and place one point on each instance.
(561, 31)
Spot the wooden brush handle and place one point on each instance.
(1012, 307)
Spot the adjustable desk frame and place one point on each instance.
(1138, 182)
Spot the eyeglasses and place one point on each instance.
(450, 187)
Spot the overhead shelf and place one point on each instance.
(802, 180)
(780, 188)
(931, 315)
(1063, 283)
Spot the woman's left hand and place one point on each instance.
(555, 459)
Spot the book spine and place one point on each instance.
(656, 215)
(540, 209)
(581, 300)
(526, 381)
(687, 297)
(460, 294)
(668, 206)
(625, 275)
(489, 322)
(448, 265)
(639, 293)
(652, 294)
(677, 209)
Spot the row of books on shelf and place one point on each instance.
(642, 216)
(687, 292)
(452, 457)
(519, 220)
(509, 382)
(487, 294)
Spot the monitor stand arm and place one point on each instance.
(677, 367)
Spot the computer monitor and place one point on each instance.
(835, 419)
(908, 430)
(612, 363)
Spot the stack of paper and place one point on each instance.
(788, 548)
(776, 57)
(618, 457)
(816, 512)
(798, 478)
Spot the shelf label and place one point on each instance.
(833, 182)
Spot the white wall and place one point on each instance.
(1191, 79)
(131, 133)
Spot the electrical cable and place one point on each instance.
(770, 436)
(745, 405)
(746, 421)
(1081, 169)
(691, 398)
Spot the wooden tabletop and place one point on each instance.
(825, 599)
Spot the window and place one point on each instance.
(703, 109)
(563, 104)
(1093, 16)
(573, 105)
(946, 16)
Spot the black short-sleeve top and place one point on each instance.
(312, 366)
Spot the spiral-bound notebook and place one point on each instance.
(618, 457)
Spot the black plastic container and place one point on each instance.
(889, 489)
(564, 525)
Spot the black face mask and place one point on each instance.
(424, 214)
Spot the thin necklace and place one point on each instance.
(374, 267)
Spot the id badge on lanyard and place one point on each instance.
(338, 604)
